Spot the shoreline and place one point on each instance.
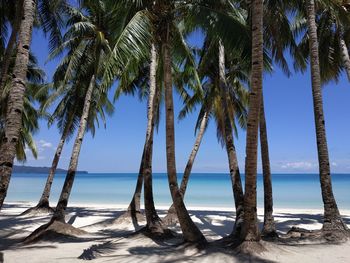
(98, 220)
(276, 210)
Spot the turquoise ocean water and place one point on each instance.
(206, 190)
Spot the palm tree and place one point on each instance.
(230, 148)
(224, 104)
(67, 114)
(269, 228)
(154, 224)
(13, 121)
(88, 41)
(16, 97)
(250, 231)
(151, 9)
(171, 217)
(165, 10)
(332, 218)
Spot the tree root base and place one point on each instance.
(39, 210)
(130, 217)
(170, 219)
(250, 248)
(333, 236)
(157, 233)
(54, 230)
(269, 235)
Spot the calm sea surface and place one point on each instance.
(212, 190)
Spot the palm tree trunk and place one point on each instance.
(230, 148)
(44, 200)
(250, 225)
(135, 204)
(190, 231)
(193, 154)
(154, 224)
(171, 217)
(332, 219)
(13, 121)
(59, 214)
(344, 53)
(269, 229)
(10, 46)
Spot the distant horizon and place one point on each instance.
(164, 172)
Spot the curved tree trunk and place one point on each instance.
(59, 214)
(44, 200)
(171, 217)
(135, 205)
(43, 205)
(13, 121)
(269, 229)
(190, 231)
(230, 148)
(10, 46)
(250, 229)
(332, 219)
(344, 53)
(154, 224)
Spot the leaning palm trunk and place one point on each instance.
(190, 231)
(10, 46)
(332, 218)
(134, 207)
(154, 224)
(44, 204)
(44, 200)
(68, 183)
(171, 217)
(230, 148)
(13, 122)
(57, 223)
(344, 53)
(250, 231)
(269, 229)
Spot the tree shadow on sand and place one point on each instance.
(170, 251)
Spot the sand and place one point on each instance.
(115, 242)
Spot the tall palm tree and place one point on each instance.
(154, 224)
(332, 218)
(67, 113)
(269, 228)
(230, 148)
(13, 121)
(250, 231)
(151, 9)
(224, 104)
(15, 102)
(165, 10)
(88, 40)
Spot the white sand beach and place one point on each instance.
(114, 242)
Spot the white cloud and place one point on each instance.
(304, 165)
(44, 144)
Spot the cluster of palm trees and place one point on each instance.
(141, 45)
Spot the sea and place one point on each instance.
(300, 191)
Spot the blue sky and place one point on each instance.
(290, 123)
